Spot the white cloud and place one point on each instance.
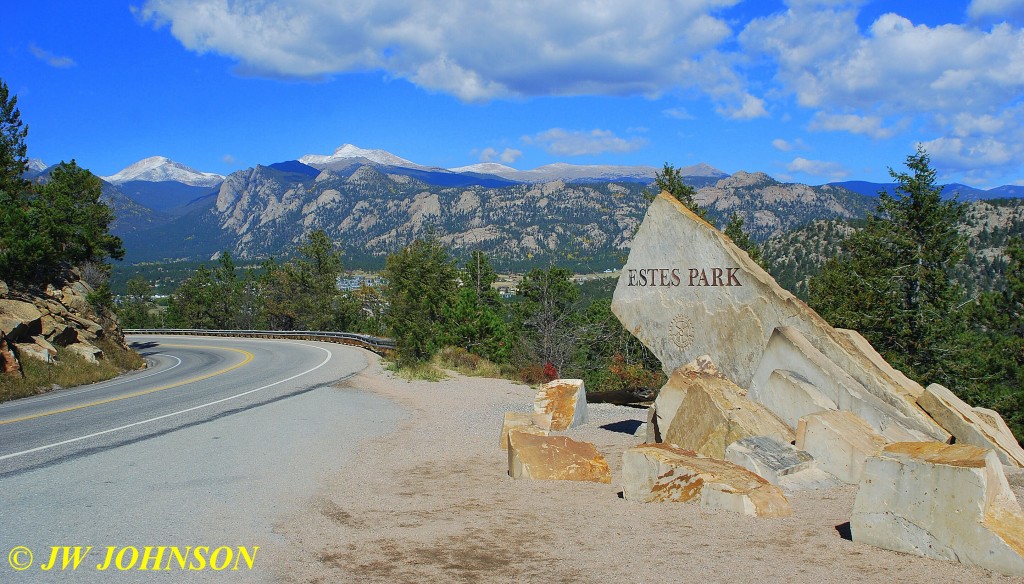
(998, 10)
(866, 125)
(677, 113)
(781, 145)
(562, 142)
(228, 159)
(830, 170)
(51, 59)
(506, 156)
(473, 49)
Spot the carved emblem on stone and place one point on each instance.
(681, 331)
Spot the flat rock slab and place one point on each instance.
(687, 291)
(520, 421)
(970, 427)
(555, 458)
(840, 443)
(700, 409)
(945, 501)
(660, 472)
(817, 383)
(768, 458)
(561, 404)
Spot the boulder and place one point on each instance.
(996, 422)
(840, 442)
(660, 472)
(19, 320)
(9, 364)
(43, 343)
(768, 458)
(967, 426)
(33, 351)
(87, 330)
(554, 458)
(945, 501)
(560, 405)
(699, 409)
(3, 289)
(788, 349)
(90, 353)
(520, 421)
(686, 291)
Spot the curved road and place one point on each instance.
(210, 445)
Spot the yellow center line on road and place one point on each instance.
(248, 358)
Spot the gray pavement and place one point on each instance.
(213, 462)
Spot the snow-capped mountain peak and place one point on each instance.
(160, 169)
(485, 168)
(349, 151)
(36, 165)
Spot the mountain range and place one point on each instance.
(373, 202)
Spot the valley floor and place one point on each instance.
(431, 502)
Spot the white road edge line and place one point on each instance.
(179, 412)
(100, 385)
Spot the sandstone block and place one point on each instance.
(790, 350)
(840, 442)
(768, 458)
(967, 426)
(520, 421)
(946, 501)
(19, 320)
(791, 396)
(687, 291)
(699, 409)
(565, 401)
(554, 458)
(90, 353)
(660, 472)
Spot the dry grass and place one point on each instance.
(69, 369)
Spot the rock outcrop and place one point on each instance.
(33, 324)
(660, 472)
(944, 501)
(555, 458)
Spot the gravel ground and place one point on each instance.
(432, 502)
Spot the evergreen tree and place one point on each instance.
(734, 231)
(303, 293)
(670, 180)
(136, 305)
(478, 316)
(894, 284)
(421, 288)
(13, 150)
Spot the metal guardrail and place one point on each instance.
(376, 344)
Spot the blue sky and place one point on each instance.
(808, 91)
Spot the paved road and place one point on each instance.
(210, 446)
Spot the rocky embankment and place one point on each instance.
(34, 323)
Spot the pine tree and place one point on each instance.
(478, 316)
(670, 180)
(13, 150)
(734, 231)
(421, 287)
(894, 284)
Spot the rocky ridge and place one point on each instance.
(34, 323)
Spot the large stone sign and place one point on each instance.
(687, 291)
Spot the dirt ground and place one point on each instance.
(432, 502)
